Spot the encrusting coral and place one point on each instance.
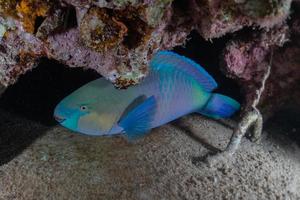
(117, 38)
(220, 17)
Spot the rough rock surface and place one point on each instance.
(246, 58)
(114, 38)
(220, 17)
(167, 164)
(117, 38)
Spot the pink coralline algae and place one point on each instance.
(220, 17)
(116, 39)
(247, 60)
(243, 57)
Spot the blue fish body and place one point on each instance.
(175, 86)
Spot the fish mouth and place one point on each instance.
(59, 119)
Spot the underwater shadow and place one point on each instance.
(26, 108)
(189, 132)
(284, 126)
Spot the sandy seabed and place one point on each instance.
(42, 162)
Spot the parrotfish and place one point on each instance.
(175, 86)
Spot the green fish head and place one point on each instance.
(84, 112)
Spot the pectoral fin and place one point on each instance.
(137, 122)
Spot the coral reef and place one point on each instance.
(263, 75)
(118, 38)
(284, 80)
(246, 58)
(220, 17)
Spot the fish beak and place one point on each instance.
(59, 119)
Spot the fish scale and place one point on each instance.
(174, 89)
(175, 86)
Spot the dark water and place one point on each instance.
(36, 93)
(26, 107)
(286, 122)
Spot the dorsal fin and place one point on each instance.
(168, 59)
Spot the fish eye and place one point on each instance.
(83, 108)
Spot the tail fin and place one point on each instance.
(220, 106)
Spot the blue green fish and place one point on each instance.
(175, 86)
